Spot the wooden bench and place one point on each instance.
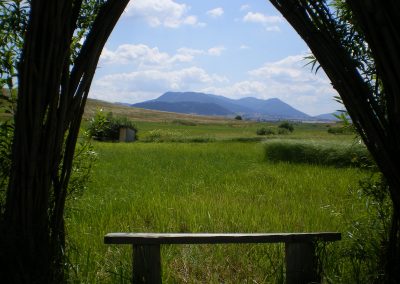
(301, 260)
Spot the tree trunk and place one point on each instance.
(378, 124)
(51, 100)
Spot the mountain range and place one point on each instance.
(208, 104)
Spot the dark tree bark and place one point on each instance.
(51, 99)
(377, 118)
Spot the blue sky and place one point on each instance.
(232, 48)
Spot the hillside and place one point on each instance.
(229, 104)
(193, 102)
(329, 116)
(140, 114)
(186, 107)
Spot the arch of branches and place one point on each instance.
(54, 80)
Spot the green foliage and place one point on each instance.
(339, 155)
(88, 13)
(283, 131)
(347, 127)
(84, 159)
(343, 116)
(238, 117)
(14, 16)
(13, 20)
(6, 136)
(105, 127)
(352, 39)
(361, 256)
(286, 125)
(8, 101)
(265, 131)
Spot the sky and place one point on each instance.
(233, 48)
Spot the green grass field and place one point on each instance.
(220, 186)
(235, 129)
(167, 183)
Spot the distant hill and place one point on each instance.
(197, 103)
(273, 107)
(186, 107)
(229, 104)
(328, 116)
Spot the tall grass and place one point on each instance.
(318, 153)
(207, 187)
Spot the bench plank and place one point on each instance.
(206, 238)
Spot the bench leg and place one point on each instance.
(301, 263)
(146, 264)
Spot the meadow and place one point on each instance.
(219, 185)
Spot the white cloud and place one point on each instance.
(244, 7)
(155, 81)
(240, 89)
(273, 29)
(261, 18)
(216, 51)
(129, 96)
(288, 80)
(190, 20)
(215, 13)
(289, 69)
(212, 51)
(190, 51)
(129, 53)
(244, 46)
(167, 13)
(143, 56)
(269, 22)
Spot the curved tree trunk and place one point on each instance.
(379, 125)
(51, 100)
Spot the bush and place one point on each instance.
(105, 127)
(286, 125)
(283, 131)
(265, 131)
(238, 117)
(318, 153)
(361, 256)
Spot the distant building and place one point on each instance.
(127, 134)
